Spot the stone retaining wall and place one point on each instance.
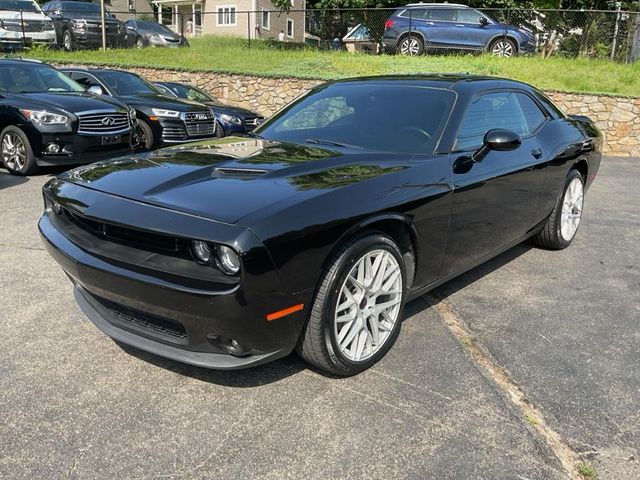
(617, 117)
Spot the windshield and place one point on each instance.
(395, 118)
(24, 78)
(124, 83)
(190, 93)
(154, 27)
(17, 5)
(81, 9)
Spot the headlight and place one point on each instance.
(42, 117)
(161, 112)
(231, 119)
(202, 252)
(79, 24)
(228, 260)
(155, 38)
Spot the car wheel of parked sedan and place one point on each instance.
(67, 41)
(17, 155)
(219, 130)
(503, 47)
(358, 307)
(562, 225)
(411, 45)
(145, 138)
(139, 43)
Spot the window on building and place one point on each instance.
(226, 15)
(289, 28)
(266, 20)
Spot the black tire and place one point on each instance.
(68, 42)
(551, 235)
(317, 344)
(145, 139)
(505, 45)
(29, 165)
(219, 130)
(411, 45)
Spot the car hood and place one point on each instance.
(151, 100)
(219, 108)
(231, 178)
(71, 102)
(27, 16)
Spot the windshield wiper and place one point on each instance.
(322, 141)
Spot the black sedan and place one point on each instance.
(162, 120)
(48, 119)
(353, 200)
(229, 119)
(142, 34)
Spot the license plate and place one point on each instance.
(111, 140)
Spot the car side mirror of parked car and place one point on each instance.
(499, 140)
(483, 22)
(95, 89)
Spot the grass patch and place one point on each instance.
(231, 55)
(587, 471)
(531, 420)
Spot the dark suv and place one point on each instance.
(48, 119)
(416, 27)
(161, 119)
(78, 25)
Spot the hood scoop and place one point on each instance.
(242, 173)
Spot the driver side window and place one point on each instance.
(497, 110)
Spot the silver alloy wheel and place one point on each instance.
(14, 152)
(410, 46)
(66, 40)
(502, 48)
(571, 209)
(368, 305)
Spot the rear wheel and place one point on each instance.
(17, 155)
(562, 225)
(219, 130)
(411, 45)
(358, 307)
(503, 47)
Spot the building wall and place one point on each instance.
(121, 8)
(278, 21)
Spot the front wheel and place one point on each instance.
(144, 136)
(17, 155)
(562, 225)
(67, 41)
(503, 47)
(358, 307)
(411, 45)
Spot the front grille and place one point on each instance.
(127, 236)
(199, 123)
(174, 133)
(103, 123)
(110, 28)
(30, 26)
(252, 122)
(158, 326)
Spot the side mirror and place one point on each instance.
(499, 140)
(483, 22)
(95, 89)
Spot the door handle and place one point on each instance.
(536, 152)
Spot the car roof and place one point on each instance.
(20, 61)
(437, 5)
(440, 80)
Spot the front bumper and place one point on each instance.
(77, 149)
(159, 313)
(10, 38)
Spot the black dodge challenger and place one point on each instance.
(313, 233)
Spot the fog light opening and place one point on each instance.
(229, 345)
(52, 148)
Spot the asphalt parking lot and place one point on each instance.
(563, 327)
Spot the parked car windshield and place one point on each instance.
(153, 27)
(24, 78)
(185, 91)
(81, 9)
(393, 118)
(124, 83)
(19, 5)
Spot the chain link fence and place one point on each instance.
(613, 35)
